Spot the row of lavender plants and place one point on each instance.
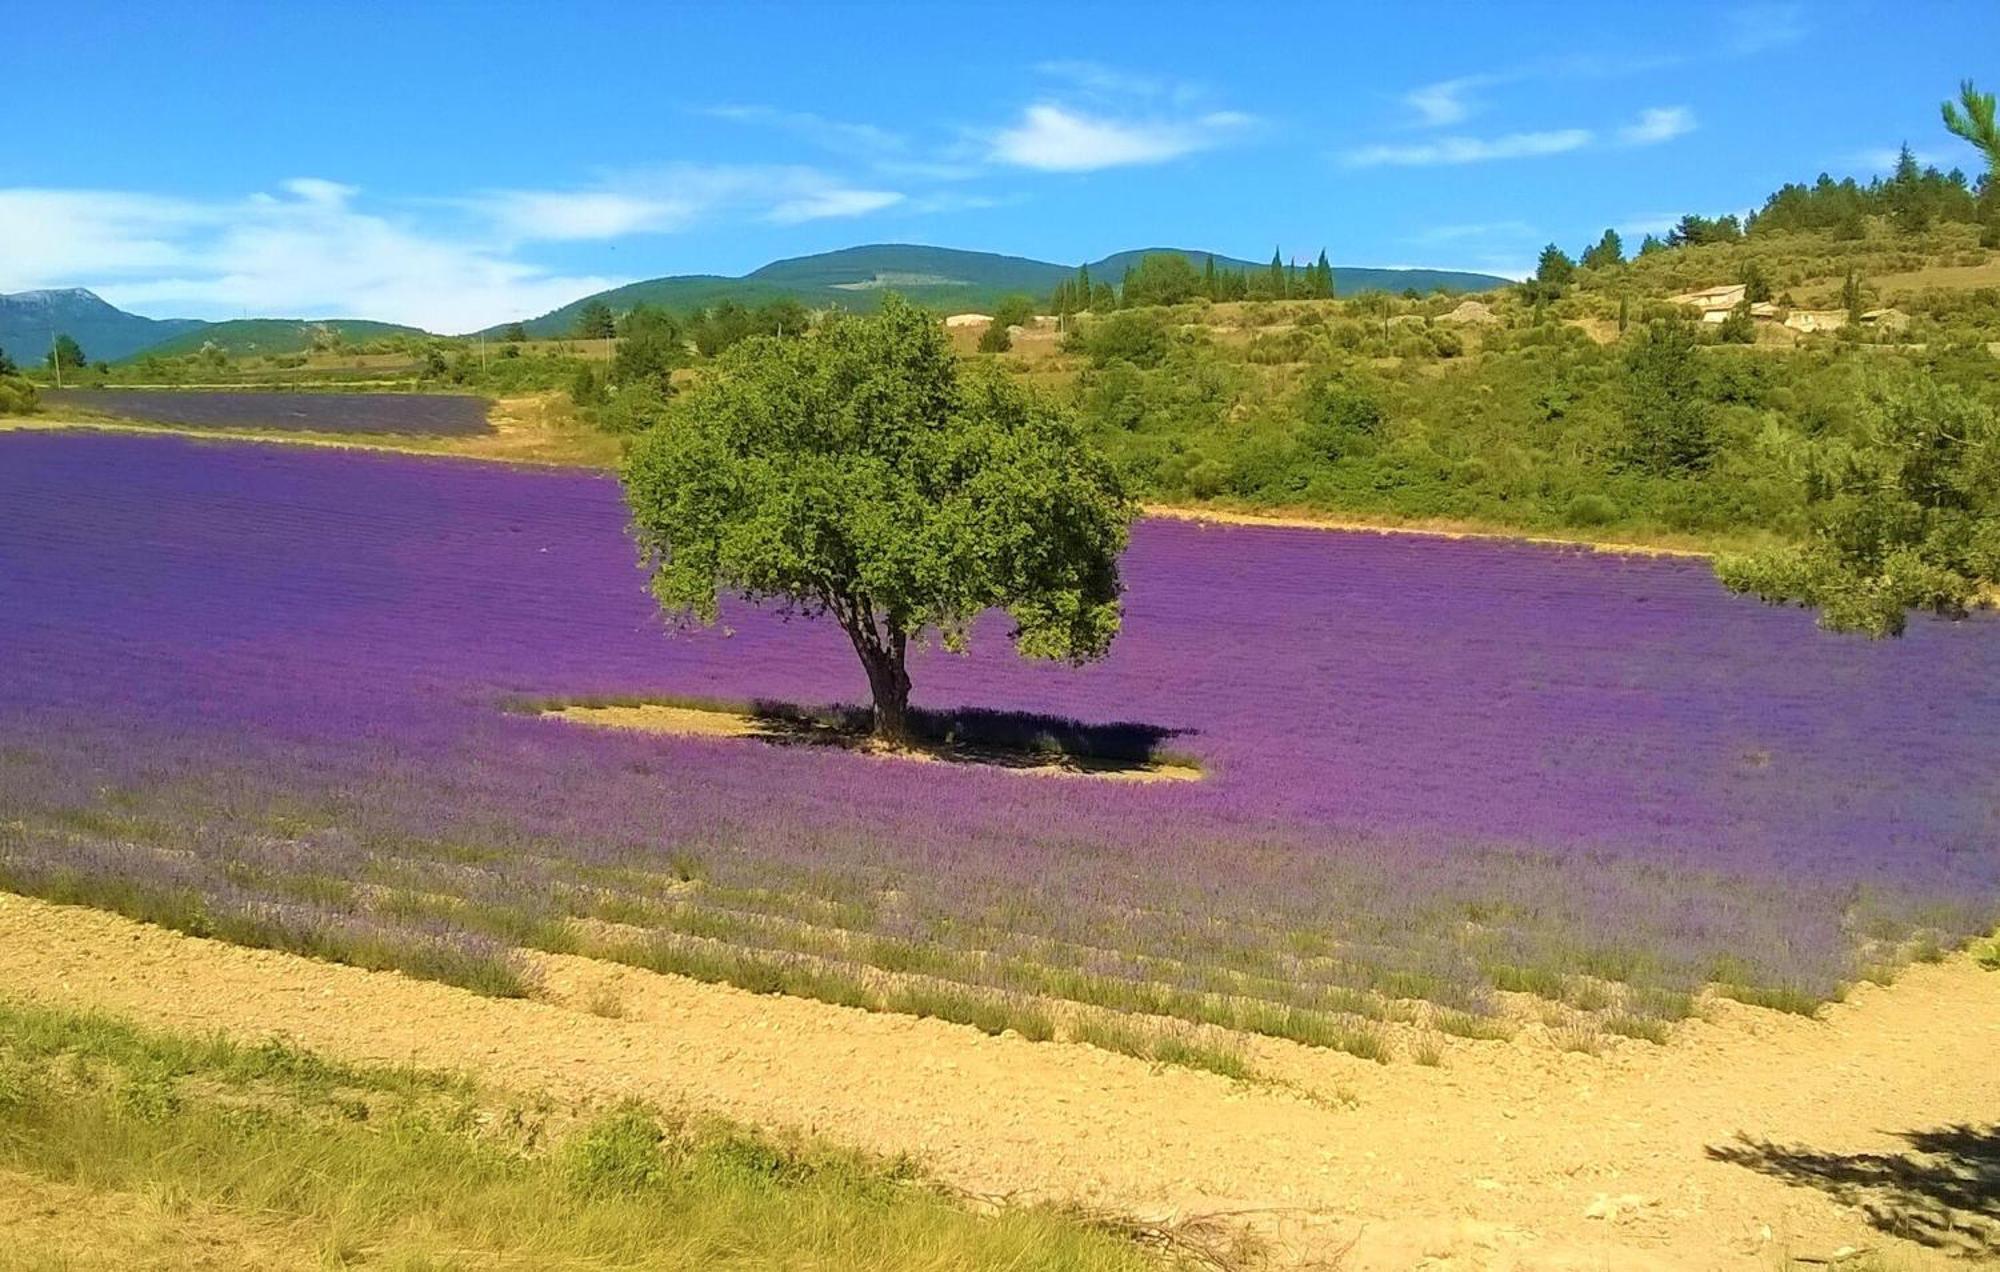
(263, 694)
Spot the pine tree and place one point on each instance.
(1324, 283)
(1208, 278)
(1277, 273)
(1851, 298)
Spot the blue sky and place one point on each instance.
(455, 165)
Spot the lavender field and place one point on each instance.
(370, 414)
(264, 693)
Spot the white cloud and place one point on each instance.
(1758, 28)
(559, 216)
(824, 204)
(666, 199)
(1457, 150)
(1445, 102)
(304, 251)
(1054, 138)
(1639, 225)
(1658, 124)
(313, 248)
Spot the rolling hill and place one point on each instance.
(940, 277)
(240, 336)
(29, 319)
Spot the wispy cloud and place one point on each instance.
(1460, 150)
(1758, 28)
(1658, 124)
(836, 135)
(1095, 116)
(1447, 101)
(1056, 138)
(828, 204)
(1640, 224)
(1485, 231)
(673, 197)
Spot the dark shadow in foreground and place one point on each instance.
(1943, 1193)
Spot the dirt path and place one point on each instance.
(1510, 1155)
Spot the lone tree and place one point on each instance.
(857, 472)
(1906, 517)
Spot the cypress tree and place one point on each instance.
(1324, 283)
(1277, 273)
(1208, 278)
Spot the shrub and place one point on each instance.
(996, 338)
(1590, 510)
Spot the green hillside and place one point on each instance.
(242, 337)
(939, 277)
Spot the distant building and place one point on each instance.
(1713, 302)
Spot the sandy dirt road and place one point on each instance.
(1751, 1137)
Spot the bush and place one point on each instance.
(1590, 510)
(17, 396)
(996, 338)
(1141, 339)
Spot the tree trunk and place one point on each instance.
(889, 681)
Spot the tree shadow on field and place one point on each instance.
(1023, 739)
(1943, 1193)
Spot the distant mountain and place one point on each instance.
(29, 320)
(245, 336)
(941, 277)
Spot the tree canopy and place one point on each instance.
(66, 353)
(1907, 517)
(862, 473)
(595, 322)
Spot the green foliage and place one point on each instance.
(860, 472)
(586, 388)
(1695, 231)
(1668, 422)
(633, 408)
(514, 333)
(1554, 270)
(650, 345)
(1971, 117)
(596, 322)
(1016, 310)
(1606, 252)
(1162, 278)
(728, 324)
(996, 338)
(67, 354)
(1906, 517)
(1338, 415)
(17, 396)
(1141, 339)
(302, 1161)
(1739, 327)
